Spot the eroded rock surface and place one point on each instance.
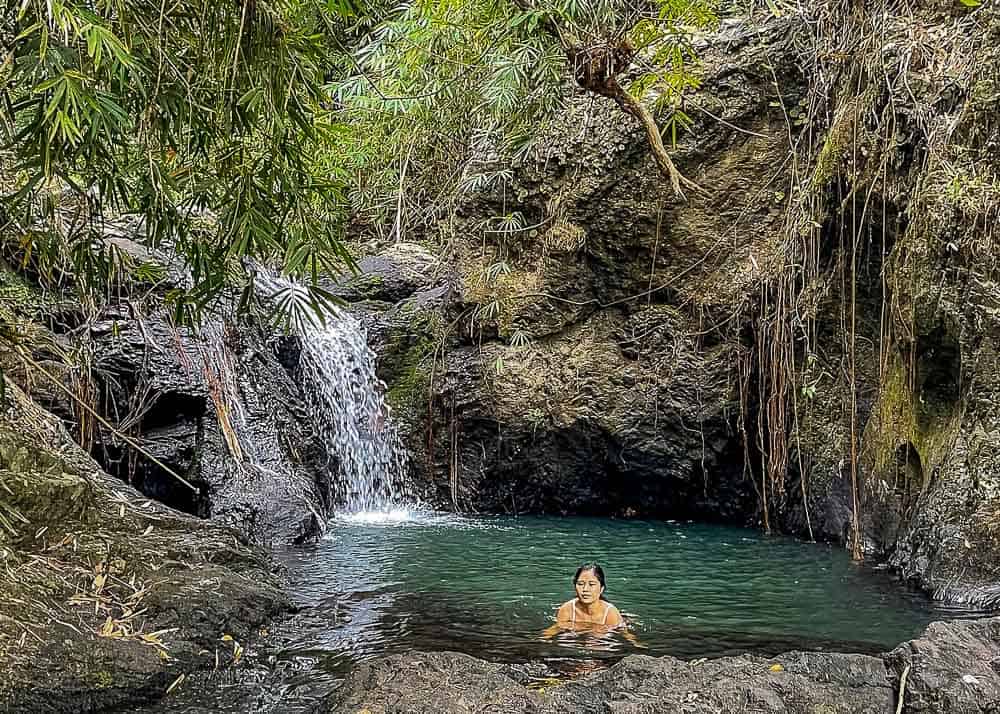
(605, 347)
(106, 597)
(572, 365)
(453, 683)
(950, 669)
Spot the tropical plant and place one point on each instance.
(435, 83)
(206, 119)
(254, 128)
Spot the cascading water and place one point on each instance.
(346, 399)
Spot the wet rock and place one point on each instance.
(149, 350)
(392, 274)
(219, 409)
(792, 683)
(432, 683)
(804, 683)
(953, 667)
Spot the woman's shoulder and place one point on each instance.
(566, 609)
(613, 614)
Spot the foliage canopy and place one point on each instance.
(258, 128)
(175, 111)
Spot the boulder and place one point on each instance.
(389, 275)
(220, 409)
(116, 597)
(793, 683)
(953, 668)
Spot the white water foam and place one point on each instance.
(349, 409)
(378, 518)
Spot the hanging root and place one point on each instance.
(633, 106)
(902, 689)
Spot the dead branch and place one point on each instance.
(596, 69)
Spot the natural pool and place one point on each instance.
(489, 586)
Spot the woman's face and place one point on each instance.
(588, 587)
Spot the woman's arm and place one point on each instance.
(563, 618)
(551, 631)
(630, 636)
(565, 613)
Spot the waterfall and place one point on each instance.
(349, 410)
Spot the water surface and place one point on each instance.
(490, 586)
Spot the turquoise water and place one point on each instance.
(489, 586)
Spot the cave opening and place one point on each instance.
(168, 428)
(938, 374)
(908, 477)
(152, 480)
(171, 408)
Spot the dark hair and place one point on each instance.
(598, 571)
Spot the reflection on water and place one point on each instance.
(591, 640)
(489, 587)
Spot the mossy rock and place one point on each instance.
(47, 498)
(80, 536)
(17, 294)
(406, 357)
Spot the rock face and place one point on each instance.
(109, 597)
(219, 409)
(571, 362)
(819, 321)
(211, 422)
(953, 666)
(925, 338)
(941, 678)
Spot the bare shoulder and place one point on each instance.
(565, 611)
(614, 617)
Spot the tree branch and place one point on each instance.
(631, 105)
(596, 69)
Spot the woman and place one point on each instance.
(589, 608)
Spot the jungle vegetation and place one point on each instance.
(248, 131)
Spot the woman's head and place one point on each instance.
(589, 583)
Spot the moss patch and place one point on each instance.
(18, 297)
(406, 361)
(899, 417)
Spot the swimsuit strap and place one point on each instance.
(604, 620)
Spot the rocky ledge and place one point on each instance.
(108, 599)
(952, 667)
